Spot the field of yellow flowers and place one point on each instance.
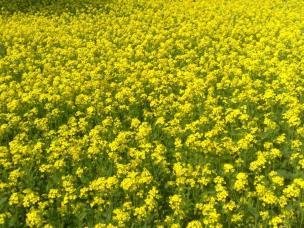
(136, 113)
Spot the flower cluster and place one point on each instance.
(134, 113)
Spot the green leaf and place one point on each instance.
(2, 50)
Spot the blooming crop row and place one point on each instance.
(134, 113)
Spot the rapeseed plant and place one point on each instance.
(133, 113)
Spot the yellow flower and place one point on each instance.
(291, 191)
(135, 123)
(140, 212)
(4, 217)
(276, 179)
(276, 221)
(237, 217)
(194, 224)
(230, 206)
(120, 216)
(53, 194)
(14, 199)
(175, 202)
(30, 198)
(264, 215)
(228, 168)
(33, 218)
(241, 182)
(79, 172)
(281, 138)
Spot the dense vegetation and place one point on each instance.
(133, 113)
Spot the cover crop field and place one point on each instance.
(133, 113)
